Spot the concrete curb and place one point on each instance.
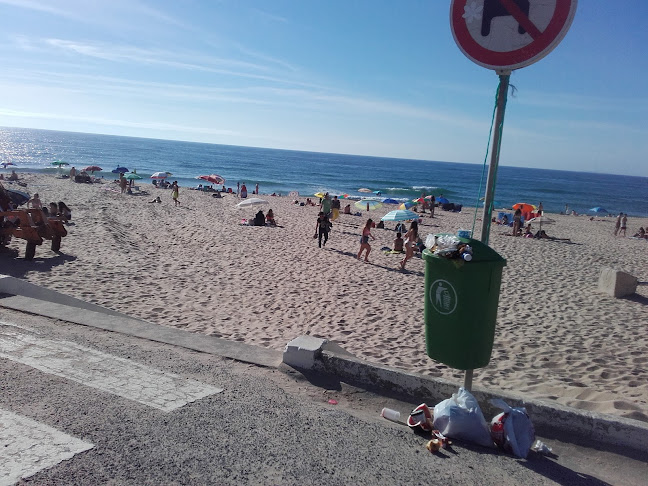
(549, 419)
(15, 286)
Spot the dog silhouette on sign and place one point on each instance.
(494, 8)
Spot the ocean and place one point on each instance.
(283, 171)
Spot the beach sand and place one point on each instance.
(195, 267)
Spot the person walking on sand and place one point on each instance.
(624, 224)
(617, 225)
(322, 228)
(256, 189)
(73, 173)
(238, 189)
(335, 208)
(175, 193)
(411, 238)
(432, 204)
(243, 191)
(122, 182)
(364, 240)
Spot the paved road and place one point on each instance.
(94, 407)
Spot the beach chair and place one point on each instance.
(33, 226)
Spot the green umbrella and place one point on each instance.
(60, 163)
(132, 176)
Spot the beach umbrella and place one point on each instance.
(159, 175)
(213, 179)
(5, 164)
(17, 197)
(319, 195)
(406, 205)
(525, 207)
(119, 170)
(598, 209)
(253, 201)
(390, 201)
(442, 200)
(132, 176)
(364, 189)
(378, 193)
(368, 204)
(400, 215)
(59, 163)
(93, 168)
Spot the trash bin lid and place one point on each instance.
(481, 252)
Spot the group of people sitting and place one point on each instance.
(641, 234)
(261, 219)
(11, 177)
(53, 210)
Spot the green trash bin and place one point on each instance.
(461, 306)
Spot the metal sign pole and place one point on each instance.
(492, 176)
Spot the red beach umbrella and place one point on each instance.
(93, 169)
(213, 178)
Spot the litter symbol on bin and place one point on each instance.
(443, 297)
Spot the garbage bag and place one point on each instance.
(512, 430)
(460, 417)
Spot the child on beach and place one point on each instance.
(322, 228)
(364, 240)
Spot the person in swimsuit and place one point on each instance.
(175, 193)
(364, 240)
(398, 243)
(411, 238)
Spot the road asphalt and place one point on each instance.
(270, 425)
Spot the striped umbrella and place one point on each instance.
(368, 204)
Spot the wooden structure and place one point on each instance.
(34, 226)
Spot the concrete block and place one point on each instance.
(616, 283)
(302, 351)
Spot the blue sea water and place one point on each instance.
(310, 172)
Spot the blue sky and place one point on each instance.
(368, 77)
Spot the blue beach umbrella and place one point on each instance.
(390, 201)
(119, 170)
(442, 200)
(399, 215)
(598, 209)
(17, 197)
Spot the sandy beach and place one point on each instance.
(195, 267)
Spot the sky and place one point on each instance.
(366, 77)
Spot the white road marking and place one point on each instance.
(122, 377)
(27, 447)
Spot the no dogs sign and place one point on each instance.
(509, 34)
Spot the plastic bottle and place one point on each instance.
(390, 414)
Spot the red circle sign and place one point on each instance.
(509, 34)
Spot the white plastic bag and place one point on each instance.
(461, 418)
(518, 430)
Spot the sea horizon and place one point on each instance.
(285, 170)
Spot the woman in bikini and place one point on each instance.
(364, 240)
(411, 237)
